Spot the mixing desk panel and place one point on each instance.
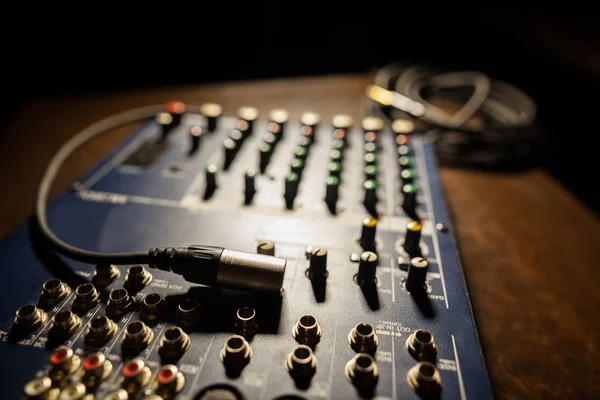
(372, 303)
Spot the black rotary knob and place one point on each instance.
(210, 172)
(409, 200)
(332, 193)
(367, 234)
(417, 275)
(246, 117)
(211, 112)
(367, 268)
(292, 182)
(195, 133)
(318, 262)
(370, 199)
(249, 186)
(412, 239)
(230, 148)
(265, 152)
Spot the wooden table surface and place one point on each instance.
(530, 250)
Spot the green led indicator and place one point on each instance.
(292, 176)
(371, 170)
(409, 188)
(333, 180)
(404, 161)
(251, 173)
(229, 144)
(265, 147)
(336, 155)
(335, 167)
(408, 174)
(370, 158)
(371, 185)
(300, 152)
(211, 168)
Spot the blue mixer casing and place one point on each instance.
(143, 196)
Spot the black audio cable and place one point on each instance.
(207, 265)
(502, 136)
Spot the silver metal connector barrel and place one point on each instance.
(248, 271)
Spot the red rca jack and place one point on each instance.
(63, 362)
(169, 381)
(96, 369)
(135, 375)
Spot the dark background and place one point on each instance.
(549, 50)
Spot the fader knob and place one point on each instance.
(417, 275)
(367, 235)
(332, 193)
(318, 262)
(291, 189)
(249, 186)
(412, 239)
(409, 200)
(230, 149)
(266, 150)
(367, 267)
(211, 112)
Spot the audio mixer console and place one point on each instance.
(372, 304)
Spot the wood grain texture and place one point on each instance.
(530, 250)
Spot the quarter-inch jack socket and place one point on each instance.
(425, 379)
(245, 322)
(362, 338)
(307, 330)
(28, 318)
(86, 298)
(100, 330)
(137, 278)
(236, 354)
(301, 363)
(362, 371)
(174, 343)
(119, 303)
(53, 292)
(421, 345)
(105, 274)
(154, 307)
(136, 338)
(64, 324)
